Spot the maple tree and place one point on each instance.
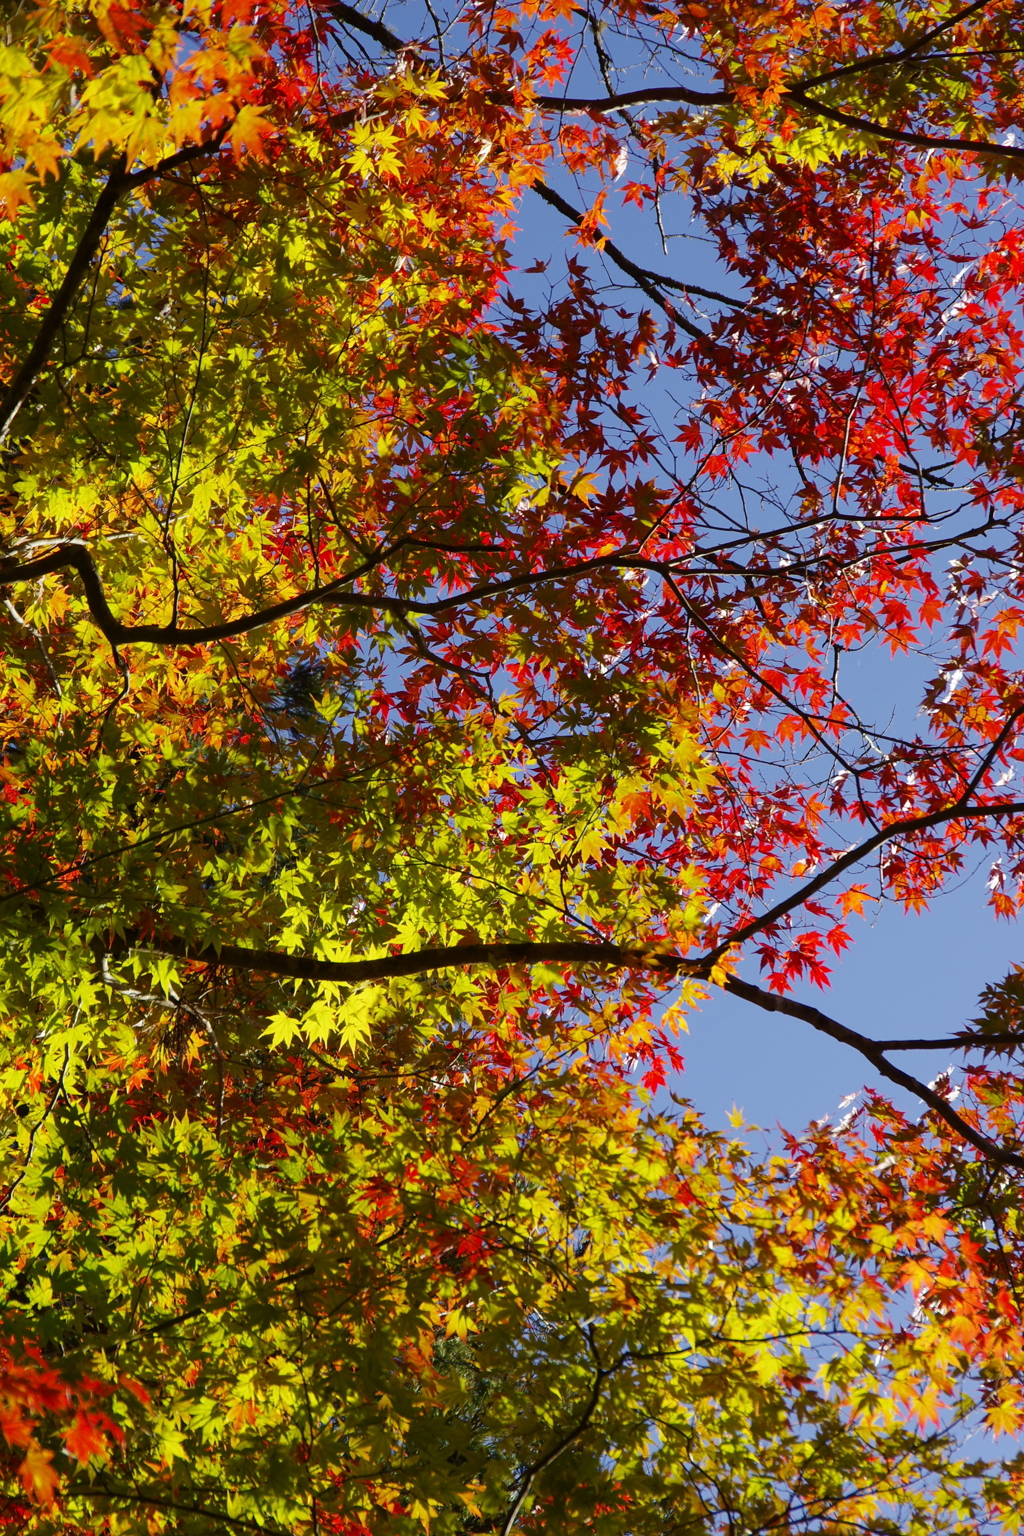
(405, 690)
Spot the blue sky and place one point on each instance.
(904, 975)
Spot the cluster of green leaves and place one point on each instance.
(445, 1297)
(274, 420)
(358, 801)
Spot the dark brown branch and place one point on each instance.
(192, 152)
(386, 967)
(350, 17)
(18, 389)
(962, 1042)
(880, 60)
(994, 749)
(873, 1051)
(899, 135)
(119, 181)
(893, 829)
(795, 95)
(77, 557)
(567, 952)
(130, 1498)
(641, 98)
(923, 38)
(644, 280)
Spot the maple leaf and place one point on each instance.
(853, 899)
(369, 777)
(38, 1476)
(85, 1438)
(249, 130)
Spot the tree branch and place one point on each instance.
(796, 95)
(77, 557)
(879, 60)
(957, 812)
(386, 967)
(561, 1445)
(898, 135)
(641, 98)
(18, 389)
(643, 279)
(132, 1497)
(873, 1051)
(497, 955)
(350, 17)
(961, 1042)
(119, 181)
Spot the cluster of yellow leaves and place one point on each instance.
(120, 79)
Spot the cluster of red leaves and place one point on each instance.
(34, 1394)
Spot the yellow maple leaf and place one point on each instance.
(16, 192)
(248, 132)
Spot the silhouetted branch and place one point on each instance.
(350, 17)
(873, 1051)
(498, 955)
(958, 811)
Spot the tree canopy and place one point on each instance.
(426, 673)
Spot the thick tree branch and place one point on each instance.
(912, 49)
(76, 556)
(497, 955)
(131, 1498)
(963, 1042)
(642, 98)
(796, 96)
(350, 17)
(386, 967)
(565, 952)
(873, 1051)
(898, 135)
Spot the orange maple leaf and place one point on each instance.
(38, 1477)
(84, 1439)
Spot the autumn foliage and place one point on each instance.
(428, 671)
